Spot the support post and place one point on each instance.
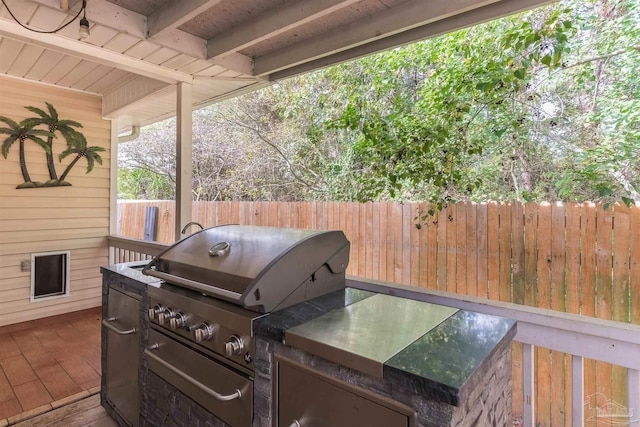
(577, 390)
(633, 386)
(528, 383)
(184, 170)
(113, 184)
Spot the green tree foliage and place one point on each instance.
(255, 147)
(604, 119)
(137, 183)
(146, 166)
(434, 110)
(538, 106)
(526, 107)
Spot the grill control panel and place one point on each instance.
(205, 322)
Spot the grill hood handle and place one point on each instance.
(220, 249)
(339, 261)
(196, 286)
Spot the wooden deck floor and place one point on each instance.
(86, 412)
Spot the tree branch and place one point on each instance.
(601, 57)
(272, 145)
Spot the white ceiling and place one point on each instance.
(139, 49)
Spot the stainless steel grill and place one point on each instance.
(260, 268)
(216, 283)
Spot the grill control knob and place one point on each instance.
(203, 332)
(178, 321)
(166, 316)
(234, 346)
(155, 311)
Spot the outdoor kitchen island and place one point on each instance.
(328, 361)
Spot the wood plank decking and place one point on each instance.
(83, 413)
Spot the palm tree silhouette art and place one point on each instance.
(52, 120)
(21, 132)
(77, 144)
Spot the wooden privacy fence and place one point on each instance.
(572, 257)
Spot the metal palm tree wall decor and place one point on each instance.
(26, 130)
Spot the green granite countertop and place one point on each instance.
(437, 349)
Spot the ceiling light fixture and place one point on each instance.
(84, 23)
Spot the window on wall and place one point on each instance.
(49, 275)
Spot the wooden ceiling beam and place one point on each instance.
(92, 53)
(235, 62)
(104, 13)
(271, 23)
(434, 29)
(176, 13)
(403, 17)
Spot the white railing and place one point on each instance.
(579, 336)
(124, 249)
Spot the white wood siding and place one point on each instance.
(36, 220)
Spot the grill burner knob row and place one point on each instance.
(166, 316)
(204, 332)
(178, 321)
(234, 346)
(155, 311)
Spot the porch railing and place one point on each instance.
(580, 337)
(123, 249)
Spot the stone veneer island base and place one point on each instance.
(457, 374)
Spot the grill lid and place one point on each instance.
(261, 268)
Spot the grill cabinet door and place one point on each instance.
(122, 355)
(313, 399)
(235, 411)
